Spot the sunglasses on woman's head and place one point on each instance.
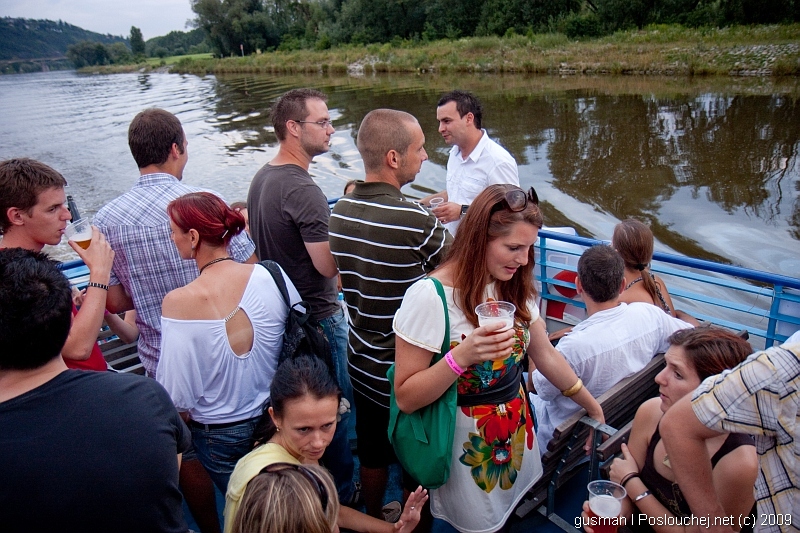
(517, 200)
(275, 468)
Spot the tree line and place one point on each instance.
(89, 53)
(264, 25)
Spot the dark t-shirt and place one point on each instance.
(91, 451)
(287, 209)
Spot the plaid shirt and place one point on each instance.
(761, 397)
(147, 263)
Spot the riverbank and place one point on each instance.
(659, 50)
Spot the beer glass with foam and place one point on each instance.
(491, 312)
(605, 506)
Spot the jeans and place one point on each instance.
(219, 449)
(338, 458)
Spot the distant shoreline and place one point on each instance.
(662, 50)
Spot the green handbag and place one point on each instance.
(423, 440)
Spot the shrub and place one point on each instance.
(582, 25)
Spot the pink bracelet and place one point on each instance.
(452, 363)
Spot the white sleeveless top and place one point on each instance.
(203, 375)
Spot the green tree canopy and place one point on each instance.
(87, 53)
(268, 24)
(137, 41)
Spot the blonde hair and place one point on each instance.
(288, 498)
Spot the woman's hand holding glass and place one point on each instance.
(485, 343)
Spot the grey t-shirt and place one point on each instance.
(287, 209)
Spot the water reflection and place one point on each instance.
(711, 163)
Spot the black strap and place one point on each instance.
(277, 275)
(302, 307)
(505, 390)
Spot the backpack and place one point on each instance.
(303, 334)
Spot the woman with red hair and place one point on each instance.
(221, 335)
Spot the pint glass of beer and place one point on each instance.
(80, 232)
(605, 506)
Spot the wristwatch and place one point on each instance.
(464, 209)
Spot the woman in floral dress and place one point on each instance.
(495, 456)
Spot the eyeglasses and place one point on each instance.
(323, 123)
(517, 200)
(275, 468)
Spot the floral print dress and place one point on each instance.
(495, 454)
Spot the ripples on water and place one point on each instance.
(714, 168)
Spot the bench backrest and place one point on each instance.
(120, 356)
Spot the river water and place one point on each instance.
(712, 164)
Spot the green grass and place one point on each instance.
(171, 60)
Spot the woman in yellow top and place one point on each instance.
(298, 426)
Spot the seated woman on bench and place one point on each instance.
(645, 470)
(634, 242)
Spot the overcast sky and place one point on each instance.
(153, 17)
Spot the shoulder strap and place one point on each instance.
(273, 268)
(446, 341)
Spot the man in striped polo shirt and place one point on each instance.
(382, 244)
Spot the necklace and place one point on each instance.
(666, 462)
(217, 260)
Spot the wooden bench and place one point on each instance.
(565, 450)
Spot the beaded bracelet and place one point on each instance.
(98, 285)
(575, 389)
(452, 363)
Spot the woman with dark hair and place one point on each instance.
(634, 242)
(296, 428)
(221, 335)
(288, 498)
(495, 456)
(645, 470)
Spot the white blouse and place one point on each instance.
(201, 372)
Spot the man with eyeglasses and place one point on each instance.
(475, 161)
(289, 223)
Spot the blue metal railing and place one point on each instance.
(766, 305)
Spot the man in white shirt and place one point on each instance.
(615, 341)
(475, 160)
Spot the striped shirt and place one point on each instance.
(146, 262)
(382, 244)
(761, 397)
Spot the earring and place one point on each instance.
(193, 252)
